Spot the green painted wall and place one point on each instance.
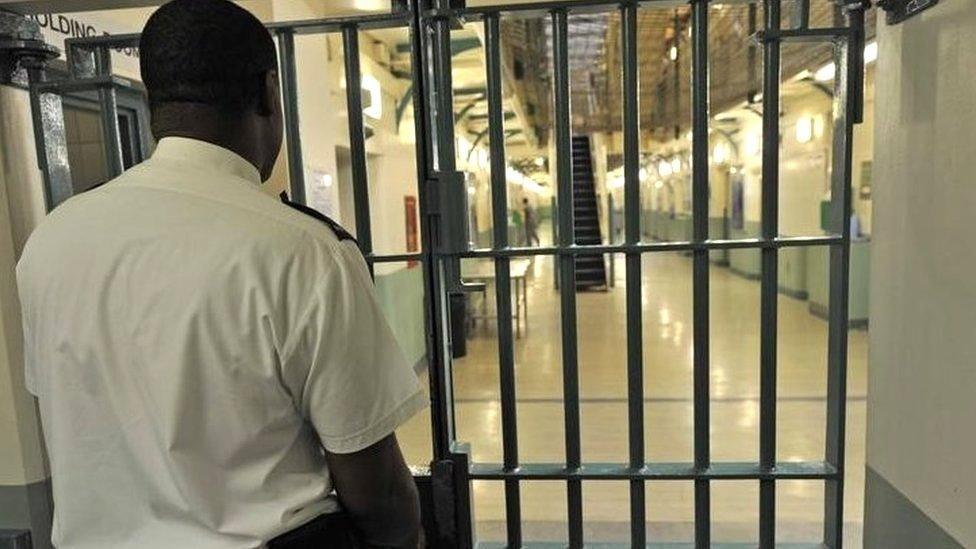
(818, 280)
(717, 231)
(793, 272)
(745, 262)
(401, 296)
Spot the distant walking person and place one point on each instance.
(531, 225)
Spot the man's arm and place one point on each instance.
(376, 488)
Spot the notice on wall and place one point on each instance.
(320, 194)
(864, 190)
(57, 27)
(412, 229)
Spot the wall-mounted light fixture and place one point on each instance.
(804, 129)
(753, 146)
(720, 153)
(374, 107)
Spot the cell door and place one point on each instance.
(445, 243)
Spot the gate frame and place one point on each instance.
(444, 244)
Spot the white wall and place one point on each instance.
(922, 375)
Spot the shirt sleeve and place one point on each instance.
(30, 377)
(342, 362)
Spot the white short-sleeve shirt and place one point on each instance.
(194, 343)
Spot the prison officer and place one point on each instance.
(212, 367)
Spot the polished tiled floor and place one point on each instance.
(667, 315)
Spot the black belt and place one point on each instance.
(332, 531)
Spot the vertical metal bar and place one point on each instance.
(611, 223)
(848, 59)
(440, 409)
(676, 66)
(770, 273)
(567, 270)
(802, 14)
(503, 280)
(357, 137)
(109, 112)
(635, 330)
(444, 155)
(50, 144)
(700, 113)
(289, 94)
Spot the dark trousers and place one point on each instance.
(332, 531)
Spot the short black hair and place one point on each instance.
(205, 51)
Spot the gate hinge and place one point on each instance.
(900, 10)
(853, 5)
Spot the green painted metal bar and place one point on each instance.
(803, 14)
(635, 330)
(567, 269)
(652, 247)
(823, 34)
(787, 470)
(109, 114)
(441, 405)
(357, 138)
(700, 195)
(848, 59)
(503, 279)
(769, 284)
(289, 93)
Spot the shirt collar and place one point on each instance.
(206, 155)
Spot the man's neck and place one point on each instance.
(204, 123)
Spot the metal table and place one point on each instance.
(484, 272)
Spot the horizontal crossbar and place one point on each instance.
(575, 7)
(659, 545)
(824, 34)
(805, 470)
(82, 84)
(649, 247)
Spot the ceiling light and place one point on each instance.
(540, 161)
(658, 184)
(870, 52)
(673, 53)
(664, 168)
(676, 165)
(825, 73)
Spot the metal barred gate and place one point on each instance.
(446, 488)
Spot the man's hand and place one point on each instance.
(377, 490)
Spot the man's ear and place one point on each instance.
(270, 97)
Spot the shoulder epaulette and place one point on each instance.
(340, 233)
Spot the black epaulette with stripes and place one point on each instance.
(340, 233)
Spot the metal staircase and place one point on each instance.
(591, 270)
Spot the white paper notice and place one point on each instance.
(321, 195)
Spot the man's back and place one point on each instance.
(200, 346)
